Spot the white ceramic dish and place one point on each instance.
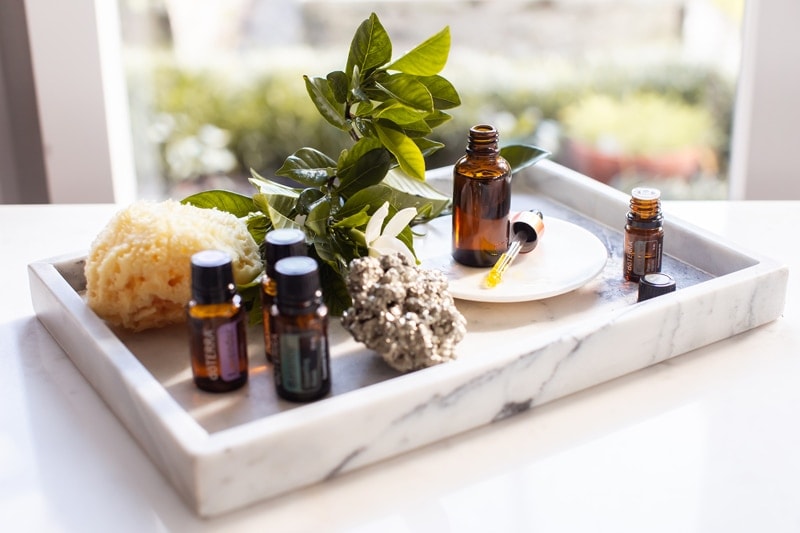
(566, 258)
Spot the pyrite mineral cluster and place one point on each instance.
(403, 312)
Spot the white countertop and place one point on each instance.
(707, 441)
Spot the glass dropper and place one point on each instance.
(495, 275)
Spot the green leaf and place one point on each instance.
(317, 219)
(427, 146)
(370, 47)
(279, 209)
(444, 94)
(414, 130)
(258, 224)
(407, 153)
(364, 108)
(237, 204)
(354, 221)
(307, 199)
(321, 93)
(521, 156)
(337, 80)
(372, 196)
(427, 58)
(399, 113)
(365, 164)
(409, 192)
(269, 187)
(309, 167)
(437, 118)
(408, 90)
(334, 292)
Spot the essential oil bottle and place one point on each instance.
(644, 234)
(216, 317)
(300, 338)
(279, 243)
(481, 200)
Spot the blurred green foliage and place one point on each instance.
(229, 120)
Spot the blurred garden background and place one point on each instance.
(630, 92)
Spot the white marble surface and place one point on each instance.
(705, 442)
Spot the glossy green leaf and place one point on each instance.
(321, 93)
(354, 221)
(307, 199)
(407, 153)
(521, 156)
(258, 224)
(279, 209)
(230, 202)
(428, 146)
(414, 130)
(437, 118)
(337, 81)
(269, 187)
(372, 197)
(399, 113)
(334, 293)
(365, 164)
(363, 109)
(427, 58)
(370, 47)
(444, 94)
(409, 192)
(408, 90)
(308, 166)
(317, 219)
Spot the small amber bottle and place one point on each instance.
(279, 243)
(300, 339)
(644, 234)
(216, 317)
(481, 200)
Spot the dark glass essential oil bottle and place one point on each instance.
(279, 243)
(300, 338)
(481, 200)
(644, 234)
(216, 318)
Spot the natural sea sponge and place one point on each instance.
(138, 271)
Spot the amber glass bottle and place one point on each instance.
(216, 317)
(644, 234)
(300, 338)
(278, 244)
(481, 200)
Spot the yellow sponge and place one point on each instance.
(138, 272)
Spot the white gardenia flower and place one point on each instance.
(386, 242)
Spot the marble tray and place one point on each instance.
(222, 452)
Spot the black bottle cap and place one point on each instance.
(212, 277)
(655, 284)
(280, 243)
(530, 224)
(298, 282)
